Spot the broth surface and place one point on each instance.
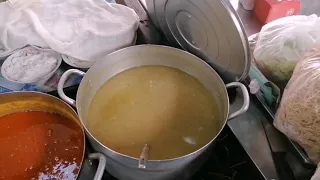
(39, 145)
(164, 107)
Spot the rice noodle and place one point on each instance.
(298, 115)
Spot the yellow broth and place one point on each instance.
(164, 107)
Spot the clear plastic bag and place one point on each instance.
(298, 115)
(282, 43)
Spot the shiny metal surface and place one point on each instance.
(245, 97)
(275, 138)
(159, 6)
(250, 132)
(149, 6)
(211, 30)
(125, 167)
(101, 166)
(35, 101)
(298, 149)
(61, 83)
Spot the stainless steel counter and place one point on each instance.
(249, 130)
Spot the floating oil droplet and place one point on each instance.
(49, 133)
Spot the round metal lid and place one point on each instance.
(210, 29)
(151, 12)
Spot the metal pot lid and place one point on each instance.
(210, 29)
(151, 12)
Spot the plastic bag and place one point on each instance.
(298, 115)
(282, 43)
(83, 29)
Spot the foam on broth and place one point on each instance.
(164, 107)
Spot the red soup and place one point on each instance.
(40, 145)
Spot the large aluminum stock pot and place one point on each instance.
(125, 167)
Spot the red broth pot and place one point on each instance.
(41, 138)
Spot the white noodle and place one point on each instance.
(299, 113)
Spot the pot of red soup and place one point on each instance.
(41, 138)
(152, 110)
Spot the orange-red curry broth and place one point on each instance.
(40, 145)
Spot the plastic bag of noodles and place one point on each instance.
(298, 115)
(282, 43)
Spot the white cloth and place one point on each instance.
(83, 29)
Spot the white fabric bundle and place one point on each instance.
(83, 29)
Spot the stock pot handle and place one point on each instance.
(246, 99)
(62, 81)
(102, 164)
